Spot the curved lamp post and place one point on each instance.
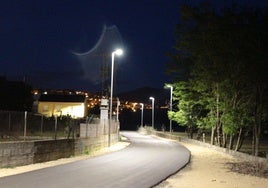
(152, 98)
(116, 52)
(170, 106)
(117, 109)
(142, 107)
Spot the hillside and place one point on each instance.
(142, 95)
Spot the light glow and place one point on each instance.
(152, 98)
(118, 52)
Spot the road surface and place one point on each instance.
(144, 163)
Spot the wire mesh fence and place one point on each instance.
(16, 125)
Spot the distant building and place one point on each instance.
(54, 104)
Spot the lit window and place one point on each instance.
(58, 108)
(45, 108)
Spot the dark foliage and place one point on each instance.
(15, 96)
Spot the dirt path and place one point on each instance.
(208, 169)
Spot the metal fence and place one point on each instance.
(16, 125)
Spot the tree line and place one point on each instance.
(220, 72)
(15, 95)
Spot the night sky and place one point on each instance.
(37, 38)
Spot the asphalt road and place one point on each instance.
(144, 163)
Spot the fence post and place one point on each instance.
(25, 124)
(87, 119)
(204, 137)
(56, 123)
(96, 126)
(42, 123)
(102, 132)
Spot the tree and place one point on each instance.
(15, 95)
(190, 108)
(224, 54)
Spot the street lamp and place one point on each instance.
(117, 109)
(170, 106)
(142, 106)
(116, 52)
(151, 98)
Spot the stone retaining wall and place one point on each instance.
(48, 150)
(16, 154)
(87, 145)
(28, 152)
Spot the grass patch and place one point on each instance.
(87, 152)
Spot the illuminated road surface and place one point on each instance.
(144, 163)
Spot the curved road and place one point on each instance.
(144, 163)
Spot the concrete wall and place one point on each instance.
(100, 127)
(48, 150)
(87, 145)
(16, 154)
(92, 137)
(22, 153)
(29, 152)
